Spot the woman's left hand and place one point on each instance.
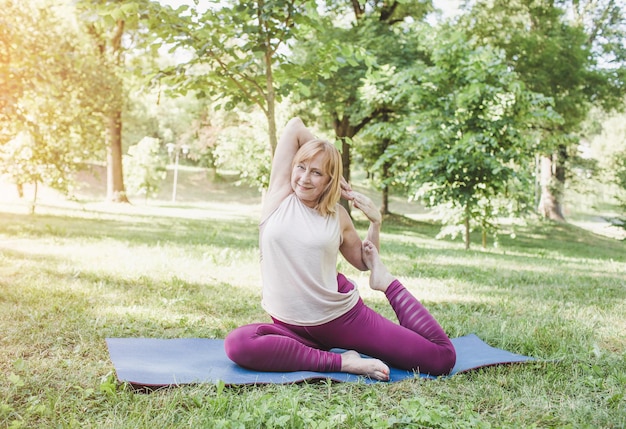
(346, 190)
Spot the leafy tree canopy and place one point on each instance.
(52, 87)
(470, 133)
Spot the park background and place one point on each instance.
(135, 142)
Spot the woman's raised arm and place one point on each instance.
(294, 135)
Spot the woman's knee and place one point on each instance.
(439, 360)
(237, 344)
(446, 361)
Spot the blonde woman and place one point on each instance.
(313, 307)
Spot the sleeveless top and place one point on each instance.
(299, 249)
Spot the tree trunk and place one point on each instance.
(344, 132)
(467, 227)
(116, 192)
(33, 204)
(551, 186)
(384, 208)
(270, 99)
(346, 161)
(271, 126)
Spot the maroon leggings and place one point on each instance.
(418, 343)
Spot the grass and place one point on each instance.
(77, 273)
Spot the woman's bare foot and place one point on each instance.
(380, 277)
(352, 362)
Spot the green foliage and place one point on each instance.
(470, 137)
(347, 41)
(145, 167)
(53, 117)
(235, 49)
(620, 175)
(606, 148)
(330, 66)
(570, 51)
(239, 149)
(558, 55)
(347, 65)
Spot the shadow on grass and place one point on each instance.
(565, 239)
(555, 264)
(138, 229)
(68, 309)
(536, 238)
(548, 264)
(104, 305)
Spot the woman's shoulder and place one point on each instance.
(271, 202)
(341, 211)
(343, 216)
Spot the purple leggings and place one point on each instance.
(418, 343)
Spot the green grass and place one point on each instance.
(72, 276)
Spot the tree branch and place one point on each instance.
(387, 11)
(597, 24)
(358, 10)
(234, 78)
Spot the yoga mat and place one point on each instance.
(152, 363)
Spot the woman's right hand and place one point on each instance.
(367, 206)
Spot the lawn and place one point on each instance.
(79, 272)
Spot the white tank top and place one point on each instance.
(299, 249)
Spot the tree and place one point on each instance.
(116, 191)
(470, 135)
(577, 59)
(146, 167)
(336, 59)
(619, 165)
(106, 23)
(606, 148)
(379, 89)
(237, 52)
(115, 28)
(52, 119)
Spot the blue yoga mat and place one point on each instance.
(150, 362)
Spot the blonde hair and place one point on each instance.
(331, 164)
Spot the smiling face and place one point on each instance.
(309, 179)
(316, 176)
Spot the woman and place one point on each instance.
(314, 309)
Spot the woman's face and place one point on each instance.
(309, 180)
